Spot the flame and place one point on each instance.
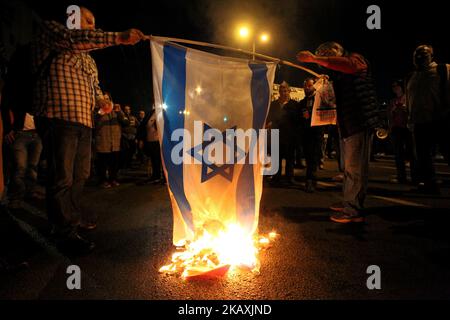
(217, 249)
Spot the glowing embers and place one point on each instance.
(217, 249)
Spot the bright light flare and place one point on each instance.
(218, 249)
(264, 37)
(244, 32)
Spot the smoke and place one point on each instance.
(293, 25)
(278, 19)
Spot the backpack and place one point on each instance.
(17, 94)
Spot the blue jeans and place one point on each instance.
(355, 151)
(69, 161)
(26, 150)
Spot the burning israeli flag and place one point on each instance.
(205, 104)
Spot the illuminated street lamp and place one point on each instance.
(244, 33)
(264, 37)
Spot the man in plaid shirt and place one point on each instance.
(65, 95)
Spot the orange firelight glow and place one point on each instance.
(214, 252)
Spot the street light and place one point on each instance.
(244, 32)
(264, 37)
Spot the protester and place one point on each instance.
(356, 115)
(401, 137)
(140, 156)
(149, 140)
(26, 146)
(107, 135)
(64, 100)
(141, 116)
(311, 137)
(284, 115)
(129, 131)
(427, 98)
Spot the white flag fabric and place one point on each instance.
(197, 91)
(324, 110)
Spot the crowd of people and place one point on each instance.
(417, 118)
(70, 117)
(120, 142)
(55, 115)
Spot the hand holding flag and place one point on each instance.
(306, 56)
(130, 37)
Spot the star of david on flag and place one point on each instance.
(223, 93)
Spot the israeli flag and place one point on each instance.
(200, 100)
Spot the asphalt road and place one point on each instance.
(405, 234)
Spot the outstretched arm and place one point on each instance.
(57, 36)
(351, 64)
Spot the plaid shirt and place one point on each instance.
(70, 88)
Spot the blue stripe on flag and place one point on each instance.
(173, 92)
(245, 196)
(260, 94)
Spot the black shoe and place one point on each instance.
(150, 180)
(310, 186)
(156, 180)
(430, 189)
(274, 181)
(292, 182)
(75, 244)
(87, 226)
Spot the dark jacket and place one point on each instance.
(286, 118)
(129, 130)
(141, 134)
(356, 98)
(108, 131)
(306, 105)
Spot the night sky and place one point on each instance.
(293, 26)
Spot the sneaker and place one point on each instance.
(341, 217)
(115, 183)
(338, 207)
(275, 181)
(106, 185)
(401, 180)
(310, 188)
(430, 189)
(155, 180)
(151, 180)
(87, 226)
(292, 182)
